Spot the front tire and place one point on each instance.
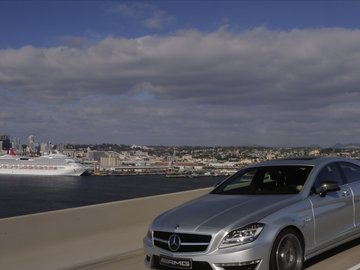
(287, 252)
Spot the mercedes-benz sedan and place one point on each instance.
(272, 215)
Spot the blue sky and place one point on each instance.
(46, 23)
(181, 72)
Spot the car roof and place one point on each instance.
(306, 161)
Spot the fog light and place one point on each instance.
(238, 264)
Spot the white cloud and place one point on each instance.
(258, 86)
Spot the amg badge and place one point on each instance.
(176, 262)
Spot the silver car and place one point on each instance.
(272, 215)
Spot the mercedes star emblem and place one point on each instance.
(174, 242)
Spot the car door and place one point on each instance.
(352, 175)
(333, 212)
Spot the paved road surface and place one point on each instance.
(342, 258)
(130, 261)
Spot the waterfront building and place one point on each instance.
(44, 149)
(6, 144)
(31, 145)
(69, 152)
(111, 159)
(96, 155)
(15, 144)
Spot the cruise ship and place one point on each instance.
(52, 164)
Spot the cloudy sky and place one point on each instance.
(270, 73)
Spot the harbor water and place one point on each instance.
(22, 195)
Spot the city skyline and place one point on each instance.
(269, 73)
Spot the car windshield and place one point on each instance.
(265, 180)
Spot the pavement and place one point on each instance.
(129, 261)
(109, 237)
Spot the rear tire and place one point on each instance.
(287, 252)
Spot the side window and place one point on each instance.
(351, 172)
(329, 173)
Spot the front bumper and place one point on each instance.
(252, 256)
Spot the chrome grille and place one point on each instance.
(189, 242)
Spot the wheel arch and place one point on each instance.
(298, 232)
(294, 230)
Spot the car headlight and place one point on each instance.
(242, 236)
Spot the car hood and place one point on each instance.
(221, 211)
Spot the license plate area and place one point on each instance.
(177, 263)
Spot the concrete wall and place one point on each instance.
(71, 238)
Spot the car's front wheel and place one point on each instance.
(287, 252)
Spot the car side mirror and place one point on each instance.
(328, 186)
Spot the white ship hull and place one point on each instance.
(48, 165)
(59, 171)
